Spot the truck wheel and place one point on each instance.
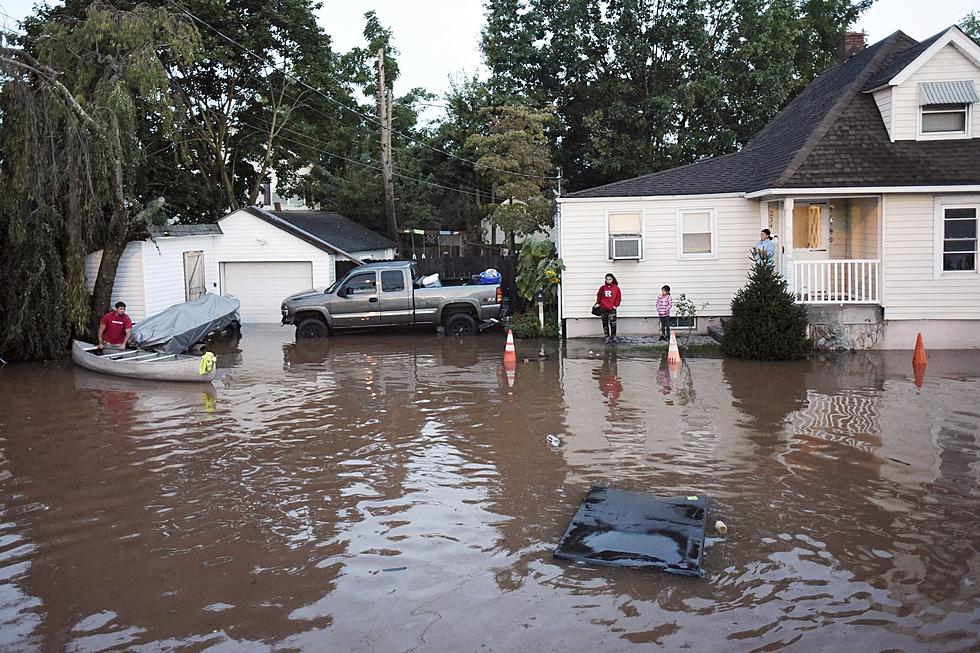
(311, 329)
(461, 324)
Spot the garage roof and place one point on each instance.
(323, 229)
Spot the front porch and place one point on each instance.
(828, 248)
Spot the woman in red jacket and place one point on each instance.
(608, 298)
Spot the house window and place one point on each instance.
(947, 119)
(960, 239)
(696, 237)
(682, 322)
(625, 235)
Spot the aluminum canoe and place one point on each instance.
(141, 364)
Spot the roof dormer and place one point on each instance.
(929, 91)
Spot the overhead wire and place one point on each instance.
(378, 168)
(334, 100)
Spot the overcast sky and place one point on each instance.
(440, 38)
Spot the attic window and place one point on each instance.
(944, 118)
(945, 108)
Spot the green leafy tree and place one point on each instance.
(70, 107)
(643, 85)
(241, 115)
(971, 25)
(766, 323)
(516, 161)
(539, 269)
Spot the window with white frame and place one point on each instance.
(625, 235)
(960, 239)
(696, 232)
(945, 107)
(945, 119)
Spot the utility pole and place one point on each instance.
(384, 118)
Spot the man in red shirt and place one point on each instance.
(115, 328)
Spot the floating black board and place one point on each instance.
(635, 529)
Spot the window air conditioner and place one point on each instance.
(625, 247)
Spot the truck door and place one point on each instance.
(396, 298)
(356, 302)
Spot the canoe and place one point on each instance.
(143, 364)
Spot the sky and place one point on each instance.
(439, 39)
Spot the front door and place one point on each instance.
(194, 285)
(811, 243)
(356, 302)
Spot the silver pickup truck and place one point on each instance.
(391, 294)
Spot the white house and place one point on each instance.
(870, 179)
(258, 256)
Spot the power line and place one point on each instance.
(371, 166)
(344, 106)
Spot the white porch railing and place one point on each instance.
(842, 281)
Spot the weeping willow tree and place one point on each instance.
(79, 97)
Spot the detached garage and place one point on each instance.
(262, 286)
(258, 256)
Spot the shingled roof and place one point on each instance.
(326, 230)
(831, 134)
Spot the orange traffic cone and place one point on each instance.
(673, 353)
(510, 353)
(919, 355)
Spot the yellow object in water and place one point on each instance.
(721, 527)
(207, 363)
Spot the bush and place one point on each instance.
(526, 325)
(766, 322)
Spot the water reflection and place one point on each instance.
(388, 493)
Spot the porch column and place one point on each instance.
(786, 241)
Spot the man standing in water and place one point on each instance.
(115, 328)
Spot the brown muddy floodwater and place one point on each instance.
(390, 493)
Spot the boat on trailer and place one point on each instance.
(144, 364)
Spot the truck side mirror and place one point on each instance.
(343, 292)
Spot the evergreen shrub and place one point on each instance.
(766, 321)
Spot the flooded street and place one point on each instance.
(392, 493)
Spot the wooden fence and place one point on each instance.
(458, 267)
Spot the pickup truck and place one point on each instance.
(391, 294)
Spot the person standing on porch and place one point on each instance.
(608, 299)
(664, 304)
(765, 248)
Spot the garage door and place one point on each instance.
(261, 287)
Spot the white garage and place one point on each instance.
(257, 255)
(262, 286)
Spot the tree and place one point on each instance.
(242, 112)
(766, 321)
(516, 161)
(643, 85)
(971, 25)
(69, 108)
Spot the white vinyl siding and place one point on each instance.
(715, 280)
(163, 265)
(883, 99)
(915, 287)
(128, 287)
(247, 238)
(696, 233)
(948, 65)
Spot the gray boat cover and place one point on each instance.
(176, 329)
